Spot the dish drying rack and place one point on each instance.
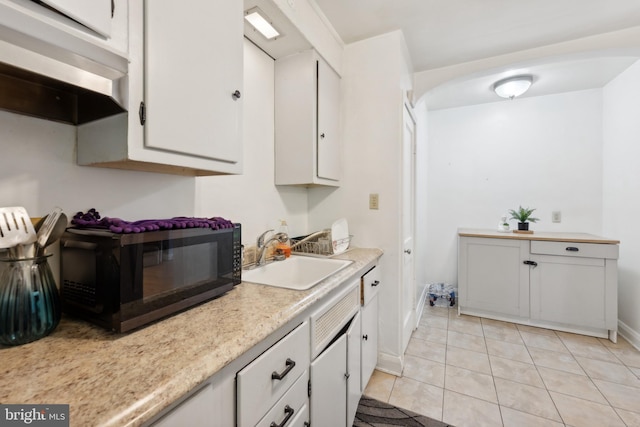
(318, 243)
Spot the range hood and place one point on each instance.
(66, 80)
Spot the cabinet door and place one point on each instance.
(492, 276)
(94, 14)
(328, 385)
(328, 140)
(193, 67)
(569, 290)
(354, 352)
(369, 340)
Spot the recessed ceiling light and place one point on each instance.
(261, 23)
(513, 86)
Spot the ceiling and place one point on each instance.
(441, 33)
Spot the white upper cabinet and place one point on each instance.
(94, 14)
(185, 93)
(193, 78)
(308, 148)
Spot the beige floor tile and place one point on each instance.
(620, 396)
(466, 341)
(434, 321)
(466, 327)
(465, 411)
(513, 370)
(584, 413)
(532, 400)
(572, 384)
(630, 418)
(607, 371)
(426, 371)
(430, 334)
(513, 418)
(468, 359)
(620, 343)
(534, 330)
(508, 350)
(380, 386)
(418, 397)
(498, 324)
(629, 356)
(435, 311)
(553, 359)
(500, 333)
(427, 350)
(636, 371)
(590, 347)
(470, 383)
(548, 342)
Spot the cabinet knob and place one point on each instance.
(322, 135)
(236, 95)
(407, 251)
(375, 283)
(365, 337)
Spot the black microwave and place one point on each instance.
(124, 281)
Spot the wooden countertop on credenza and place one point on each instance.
(537, 235)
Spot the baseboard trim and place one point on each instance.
(390, 364)
(629, 334)
(420, 305)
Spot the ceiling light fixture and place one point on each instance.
(513, 86)
(261, 23)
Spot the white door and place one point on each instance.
(328, 385)
(408, 274)
(94, 14)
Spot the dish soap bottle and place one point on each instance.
(285, 247)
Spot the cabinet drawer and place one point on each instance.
(257, 391)
(585, 250)
(370, 285)
(293, 403)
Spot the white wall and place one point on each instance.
(252, 198)
(38, 171)
(374, 77)
(621, 191)
(540, 152)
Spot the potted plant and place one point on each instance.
(523, 215)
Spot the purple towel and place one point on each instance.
(91, 219)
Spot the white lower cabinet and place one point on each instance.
(569, 286)
(369, 352)
(335, 380)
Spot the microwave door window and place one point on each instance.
(169, 268)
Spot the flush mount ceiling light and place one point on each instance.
(513, 86)
(261, 23)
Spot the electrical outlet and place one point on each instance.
(556, 216)
(374, 201)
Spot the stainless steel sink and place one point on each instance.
(296, 272)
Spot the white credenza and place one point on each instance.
(562, 281)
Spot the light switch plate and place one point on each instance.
(374, 201)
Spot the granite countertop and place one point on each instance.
(537, 235)
(113, 379)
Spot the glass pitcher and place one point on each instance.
(29, 300)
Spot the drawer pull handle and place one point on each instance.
(572, 249)
(289, 366)
(532, 263)
(288, 410)
(375, 283)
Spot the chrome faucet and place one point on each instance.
(262, 245)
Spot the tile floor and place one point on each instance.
(473, 372)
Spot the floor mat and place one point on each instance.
(373, 413)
